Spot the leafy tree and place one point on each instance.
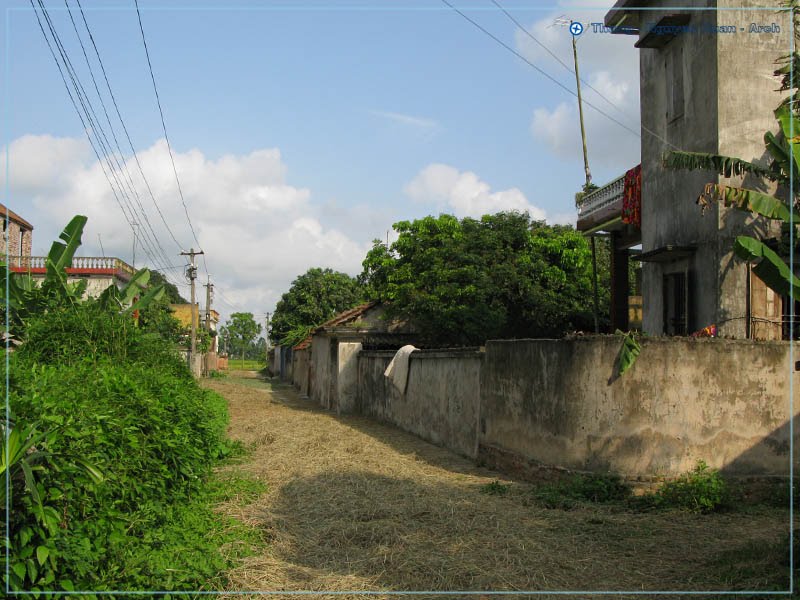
(313, 298)
(171, 293)
(242, 329)
(503, 276)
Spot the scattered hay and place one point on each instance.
(355, 505)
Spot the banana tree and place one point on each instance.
(783, 169)
(27, 298)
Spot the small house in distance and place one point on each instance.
(324, 366)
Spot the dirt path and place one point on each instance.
(356, 505)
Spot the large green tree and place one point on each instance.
(465, 281)
(242, 330)
(314, 297)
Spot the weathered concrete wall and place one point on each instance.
(300, 371)
(275, 364)
(347, 378)
(722, 401)
(323, 376)
(441, 399)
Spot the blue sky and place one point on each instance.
(301, 132)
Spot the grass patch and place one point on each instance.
(237, 364)
(495, 488)
(761, 565)
(568, 493)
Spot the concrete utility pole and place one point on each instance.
(266, 337)
(209, 295)
(209, 290)
(191, 273)
(580, 114)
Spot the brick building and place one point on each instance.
(17, 234)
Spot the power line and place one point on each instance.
(125, 128)
(120, 198)
(544, 73)
(164, 127)
(123, 167)
(556, 57)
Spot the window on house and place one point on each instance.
(676, 304)
(674, 81)
(21, 242)
(790, 332)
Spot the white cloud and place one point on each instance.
(258, 231)
(404, 119)
(609, 66)
(464, 194)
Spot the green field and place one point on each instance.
(237, 364)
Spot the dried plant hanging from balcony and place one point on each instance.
(632, 197)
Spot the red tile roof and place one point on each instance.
(14, 217)
(342, 318)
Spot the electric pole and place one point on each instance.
(266, 337)
(191, 273)
(580, 107)
(209, 292)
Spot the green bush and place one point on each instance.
(87, 331)
(153, 435)
(701, 490)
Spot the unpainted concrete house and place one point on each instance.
(706, 85)
(325, 365)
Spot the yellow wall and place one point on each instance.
(183, 312)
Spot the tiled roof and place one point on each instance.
(341, 319)
(14, 217)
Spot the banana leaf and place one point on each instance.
(152, 295)
(791, 131)
(135, 286)
(770, 268)
(748, 200)
(778, 148)
(726, 166)
(628, 352)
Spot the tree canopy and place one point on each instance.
(241, 330)
(171, 293)
(314, 297)
(466, 281)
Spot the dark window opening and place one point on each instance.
(676, 304)
(789, 332)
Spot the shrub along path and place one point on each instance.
(356, 505)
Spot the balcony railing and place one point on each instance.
(603, 198)
(80, 264)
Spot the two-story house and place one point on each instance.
(706, 85)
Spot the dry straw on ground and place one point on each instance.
(356, 505)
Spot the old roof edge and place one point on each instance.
(12, 216)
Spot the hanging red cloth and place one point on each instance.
(632, 197)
